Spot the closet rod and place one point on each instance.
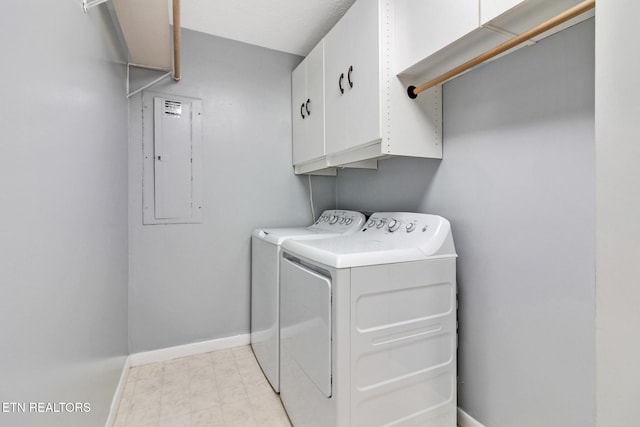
(176, 40)
(578, 9)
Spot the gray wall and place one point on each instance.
(517, 182)
(191, 282)
(63, 227)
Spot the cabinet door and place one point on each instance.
(490, 9)
(352, 78)
(423, 27)
(337, 48)
(307, 104)
(298, 93)
(363, 71)
(314, 104)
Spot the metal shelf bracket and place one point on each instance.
(88, 4)
(168, 73)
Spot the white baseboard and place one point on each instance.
(466, 420)
(186, 350)
(117, 396)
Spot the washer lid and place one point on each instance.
(388, 237)
(331, 223)
(279, 235)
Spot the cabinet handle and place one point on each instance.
(301, 110)
(306, 107)
(340, 82)
(349, 76)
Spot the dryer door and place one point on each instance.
(306, 322)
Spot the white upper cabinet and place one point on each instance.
(352, 78)
(350, 103)
(490, 9)
(426, 26)
(307, 103)
(368, 115)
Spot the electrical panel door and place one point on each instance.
(172, 187)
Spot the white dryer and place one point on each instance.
(368, 325)
(265, 276)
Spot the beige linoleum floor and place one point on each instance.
(218, 389)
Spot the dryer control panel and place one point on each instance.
(339, 221)
(401, 223)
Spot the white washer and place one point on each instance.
(265, 276)
(368, 325)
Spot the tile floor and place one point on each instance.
(221, 388)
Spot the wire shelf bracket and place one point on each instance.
(88, 4)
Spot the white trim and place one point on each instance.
(466, 420)
(186, 350)
(117, 396)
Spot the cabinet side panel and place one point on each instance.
(410, 127)
(415, 125)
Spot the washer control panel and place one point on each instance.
(339, 221)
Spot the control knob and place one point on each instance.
(380, 224)
(410, 227)
(371, 223)
(394, 224)
(334, 219)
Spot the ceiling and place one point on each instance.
(293, 26)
